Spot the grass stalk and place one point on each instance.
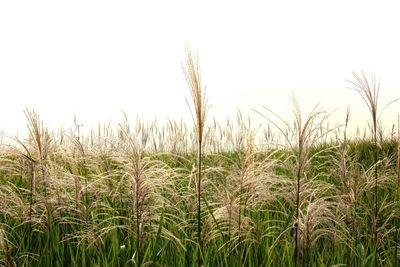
(369, 91)
(193, 78)
(300, 136)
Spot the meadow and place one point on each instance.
(299, 193)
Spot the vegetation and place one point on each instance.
(220, 195)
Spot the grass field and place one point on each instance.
(212, 195)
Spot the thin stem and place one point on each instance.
(398, 192)
(199, 195)
(240, 217)
(138, 225)
(376, 189)
(298, 175)
(192, 74)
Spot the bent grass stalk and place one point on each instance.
(369, 92)
(300, 137)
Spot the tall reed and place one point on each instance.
(369, 91)
(300, 137)
(193, 78)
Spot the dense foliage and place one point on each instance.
(217, 195)
(108, 201)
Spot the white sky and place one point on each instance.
(95, 58)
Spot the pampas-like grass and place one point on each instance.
(369, 91)
(193, 78)
(301, 136)
(149, 182)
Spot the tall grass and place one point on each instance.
(300, 137)
(192, 74)
(152, 195)
(369, 92)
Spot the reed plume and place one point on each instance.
(300, 136)
(369, 91)
(193, 78)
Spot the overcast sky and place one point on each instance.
(96, 58)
